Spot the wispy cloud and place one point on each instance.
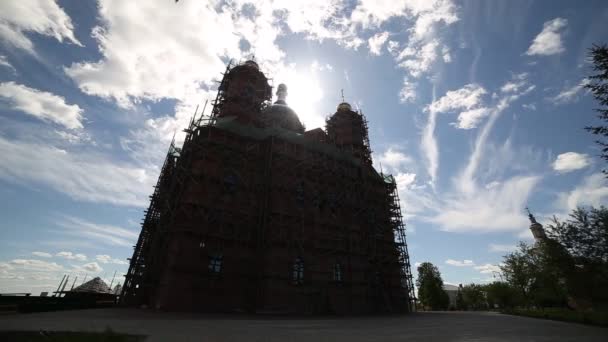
(41, 104)
(498, 248)
(103, 233)
(42, 17)
(42, 254)
(458, 263)
(82, 176)
(569, 94)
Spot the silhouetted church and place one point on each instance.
(256, 214)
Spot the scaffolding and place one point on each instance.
(400, 241)
(134, 279)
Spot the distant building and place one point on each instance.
(452, 291)
(254, 213)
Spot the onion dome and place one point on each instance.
(344, 106)
(280, 114)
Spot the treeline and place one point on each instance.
(567, 269)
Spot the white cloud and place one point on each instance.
(103, 233)
(35, 265)
(429, 147)
(549, 40)
(471, 118)
(518, 82)
(569, 94)
(465, 98)
(593, 190)
(404, 180)
(39, 16)
(106, 259)
(458, 263)
(82, 176)
(394, 160)
(496, 209)
(501, 248)
(41, 104)
(71, 256)
(5, 63)
(92, 267)
(407, 92)
(571, 161)
(377, 42)
(488, 269)
(42, 254)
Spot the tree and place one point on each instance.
(474, 297)
(430, 287)
(534, 276)
(500, 294)
(598, 85)
(578, 247)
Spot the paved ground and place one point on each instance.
(447, 326)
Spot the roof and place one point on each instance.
(95, 285)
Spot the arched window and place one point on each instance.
(215, 263)
(297, 276)
(338, 272)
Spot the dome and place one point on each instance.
(344, 106)
(280, 115)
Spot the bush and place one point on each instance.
(559, 314)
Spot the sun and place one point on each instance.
(304, 92)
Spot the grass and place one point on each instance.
(599, 318)
(67, 336)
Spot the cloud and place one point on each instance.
(92, 267)
(488, 269)
(41, 104)
(501, 248)
(471, 118)
(518, 82)
(465, 98)
(82, 176)
(103, 233)
(394, 160)
(429, 147)
(569, 94)
(495, 209)
(35, 265)
(39, 16)
(408, 91)
(377, 42)
(5, 63)
(571, 161)
(42, 254)
(549, 40)
(593, 190)
(71, 256)
(458, 263)
(106, 259)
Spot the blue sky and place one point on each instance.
(476, 107)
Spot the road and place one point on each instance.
(435, 326)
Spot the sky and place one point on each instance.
(476, 107)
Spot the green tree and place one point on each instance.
(474, 297)
(430, 287)
(500, 294)
(534, 276)
(578, 248)
(598, 85)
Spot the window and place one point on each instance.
(215, 263)
(298, 271)
(338, 272)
